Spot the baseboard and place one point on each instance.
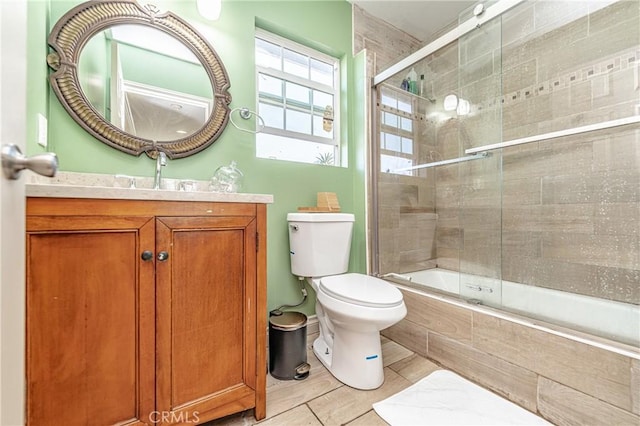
(312, 325)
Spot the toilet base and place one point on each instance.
(322, 352)
(355, 358)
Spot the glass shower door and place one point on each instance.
(479, 112)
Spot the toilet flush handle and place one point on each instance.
(294, 227)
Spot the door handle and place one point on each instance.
(162, 256)
(13, 162)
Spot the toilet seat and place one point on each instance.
(361, 290)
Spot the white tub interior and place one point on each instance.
(606, 318)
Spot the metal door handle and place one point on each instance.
(162, 256)
(13, 162)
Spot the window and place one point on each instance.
(298, 99)
(396, 132)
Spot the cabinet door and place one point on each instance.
(206, 317)
(90, 320)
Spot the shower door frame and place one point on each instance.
(455, 34)
(452, 36)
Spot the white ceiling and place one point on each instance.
(419, 18)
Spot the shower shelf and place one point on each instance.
(558, 134)
(402, 92)
(475, 156)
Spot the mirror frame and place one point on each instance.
(78, 25)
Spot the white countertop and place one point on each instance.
(87, 185)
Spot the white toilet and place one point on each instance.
(351, 308)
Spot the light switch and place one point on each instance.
(42, 130)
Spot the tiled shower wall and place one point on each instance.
(407, 221)
(385, 44)
(562, 213)
(571, 206)
(565, 381)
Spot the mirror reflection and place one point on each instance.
(128, 74)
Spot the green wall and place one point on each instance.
(37, 83)
(93, 73)
(193, 78)
(323, 24)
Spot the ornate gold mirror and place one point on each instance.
(139, 80)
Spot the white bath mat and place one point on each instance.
(444, 398)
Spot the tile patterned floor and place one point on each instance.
(322, 400)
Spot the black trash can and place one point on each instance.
(287, 346)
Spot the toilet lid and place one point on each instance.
(362, 290)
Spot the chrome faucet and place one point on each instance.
(161, 160)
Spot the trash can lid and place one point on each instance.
(288, 321)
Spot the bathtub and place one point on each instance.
(605, 318)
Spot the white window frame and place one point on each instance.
(384, 128)
(334, 91)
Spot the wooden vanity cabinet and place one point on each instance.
(144, 312)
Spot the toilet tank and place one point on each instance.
(319, 243)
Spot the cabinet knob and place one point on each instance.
(162, 256)
(147, 255)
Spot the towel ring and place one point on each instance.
(246, 114)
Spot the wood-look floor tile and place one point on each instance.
(283, 395)
(344, 404)
(244, 418)
(393, 352)
(299, 416)
(368, 419)
(414, 367)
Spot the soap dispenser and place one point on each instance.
(413, 81)
(227, 179)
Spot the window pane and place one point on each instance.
(406, 124)
(296, 64)
(392, 142)
(389, 164)
(322, 72)
(273, 116)
(382, 135)
(295, 102)
(321, 100)
(318, 127)
(280, 148)
(299, 96)
(268, 54)
(389, 100)
(407, 146)
(404, 106)
(298, 121)
(270, 87)
(390, 120)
